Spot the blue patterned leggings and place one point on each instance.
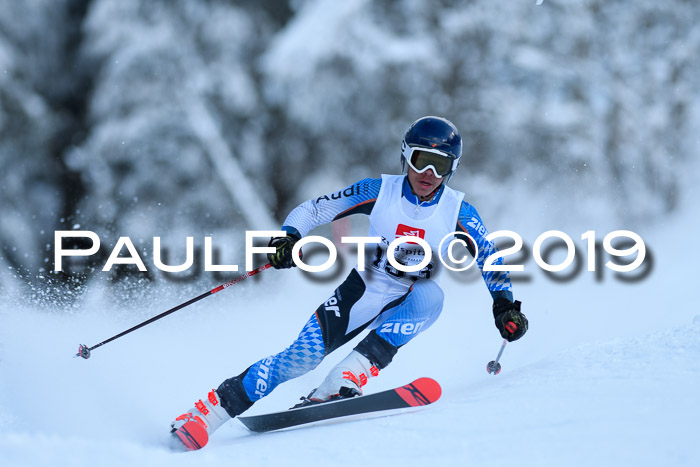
(396, 314)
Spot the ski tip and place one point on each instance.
(422, 391)
(193, 435)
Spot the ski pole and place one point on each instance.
(493, 367)
(84, 350)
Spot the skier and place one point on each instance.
(395, 305)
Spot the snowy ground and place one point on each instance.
(608, 375)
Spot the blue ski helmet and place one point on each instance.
(435, 135)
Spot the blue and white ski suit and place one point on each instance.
(395, 305)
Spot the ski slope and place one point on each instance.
(607, 375)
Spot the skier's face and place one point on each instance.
(423, 184)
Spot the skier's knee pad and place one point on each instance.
(423, 304)
(415, 314)
(428, 297)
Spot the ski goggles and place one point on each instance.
(422, 159)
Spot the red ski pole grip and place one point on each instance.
(511, 327)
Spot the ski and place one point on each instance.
(422, 391)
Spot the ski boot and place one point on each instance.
(195, 426)
(346, 379)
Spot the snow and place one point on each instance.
(607, 375)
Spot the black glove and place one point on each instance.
(511, 323)
(282, 257)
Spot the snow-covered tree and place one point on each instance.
(166, 115)
(31, 193)
(176, 118)
(591, 98)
